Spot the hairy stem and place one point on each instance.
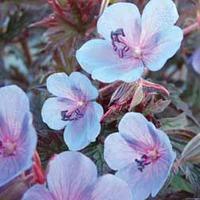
(191, 28)
(109, 87)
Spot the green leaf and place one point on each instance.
(158, 106)
(174, 123)
(180, 184)
(95, 152)
(192, 173)
(191, 152)
(137, 97)
(181, 105)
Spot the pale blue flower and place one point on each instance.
(74, 109)
(17, 135)
(73, 176)
(141, 154)
(131, 41)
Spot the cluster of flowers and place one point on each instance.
(141, 154)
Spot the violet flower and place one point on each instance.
(17, 135)
(131, 41)
(196, 61)
(73, 176)
(74, 108)
(141, 154)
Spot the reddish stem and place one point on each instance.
(60, 12)
(109, 87)
(111, 110)
(155, 86)
(25, 48)
(37, 169)
(191, 28)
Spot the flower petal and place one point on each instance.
(81, 82)
(133, 127)
(160, 171)
(110, 186)
(127, 72)
(95, 54)
(166, 15)
(162, 167)
(163, 143)
(70, 175)
(14, 105)
(75, 136)
(51, 112)
(79, 133)
(162, 46)
(117, 153)
(94, 115)
(38, 192)
(59, 85)
(124, 16)
(15, 127)
(139, 182)
(13, 165)
(196, 61)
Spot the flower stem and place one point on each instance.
(104, 4)
(108, 88)
(27, 53)
(191, 28)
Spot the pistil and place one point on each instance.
(137, 52)
(147, 159)
(7, 148)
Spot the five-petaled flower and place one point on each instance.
(17, 136)
(73, 176)
(131, 41)
(74, 108)
(141, 154)
(196, 60)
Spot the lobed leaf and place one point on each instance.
(191, 152)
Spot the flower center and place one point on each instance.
(75, 113)
(147, 159)
(80, 103)
(137, 52)
(121, 48)
(7, 148)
